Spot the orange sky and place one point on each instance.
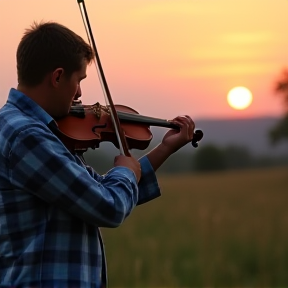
(165, 58)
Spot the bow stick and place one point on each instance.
(123, 146)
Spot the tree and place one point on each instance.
(237, 157)
(280, 131)
(209, 158)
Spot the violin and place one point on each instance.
(86, 126)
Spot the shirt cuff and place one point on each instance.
(148, 185)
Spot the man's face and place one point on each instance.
(69, 89)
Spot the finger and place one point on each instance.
(185, 128)
(188, 123)
(184, 119)
(191, 125)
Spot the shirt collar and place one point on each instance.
(28, 106)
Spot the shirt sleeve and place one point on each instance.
(41, 165)
(148, 185)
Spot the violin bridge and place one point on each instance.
(97, 109)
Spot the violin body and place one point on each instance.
(86, 126)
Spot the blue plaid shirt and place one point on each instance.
(51, 204)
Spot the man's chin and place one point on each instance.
(76, 102)
(61, 115)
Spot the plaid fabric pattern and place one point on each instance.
(51, 204)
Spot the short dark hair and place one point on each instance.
(47, 46)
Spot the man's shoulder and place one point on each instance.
(13, 118)
(13, 121)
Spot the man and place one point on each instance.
(51, 203)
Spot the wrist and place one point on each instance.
(165, 149)
(159, 155)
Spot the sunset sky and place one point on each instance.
(165, 58)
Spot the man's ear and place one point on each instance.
(57, 76)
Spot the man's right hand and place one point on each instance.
(129, 162)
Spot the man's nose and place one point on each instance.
(78, 93)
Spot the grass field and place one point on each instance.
(224, 229)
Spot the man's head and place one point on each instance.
(46, 47)
(51, 62)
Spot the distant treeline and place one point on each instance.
(209, 157)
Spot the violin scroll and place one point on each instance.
(198, 135)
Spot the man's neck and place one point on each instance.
(37, 93)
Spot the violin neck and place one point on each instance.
(79, 111)
(146, 120)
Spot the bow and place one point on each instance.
(123, 146)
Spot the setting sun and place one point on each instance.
(239, 98)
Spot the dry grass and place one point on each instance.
(225, 229)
